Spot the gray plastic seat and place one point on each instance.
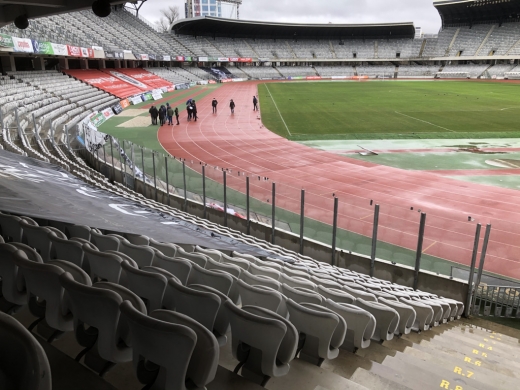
(406, 315)
(197, 258)
(298, 282)
(202, 306)
(301, 295)
(23, 362)
(181, 268)
(104, 243)
(265, 271)
(337, 295)
(229, 268)
(137, 239)
(260, 280)
(142, 255)
(259, 296)
(79, 231)
(166, 249)
(424, 314)
(13, 293)
(256, 342)
(68, 250)
(456, 307)
(359, 294)
(295, 272)
(213, 253)
(218, 280)
(97, 323)
(322, 331)
(146, 284)
(245, 256)
(361, 325)
(244, 264)
(11, 227)
(104, 266)
(441, 310)
(270, 263)
(46, 295)
(38, 238)
(387, 319)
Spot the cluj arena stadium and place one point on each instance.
(234, 204)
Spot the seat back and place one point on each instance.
(298, 282)
(337, 295)
(213, 253)
(67, 250)
(167, 344)
(260, 280)
(103, 266)
(11, 228)
(137, 239)
(166, 249)
(23, 360)
(229, 268)
(244, 264)
(264, 271)
(149, 286)
(103, 242)
(197, 258)
(79, 231)
(218, 280)
(259, 296)
(13, 285)
(38, 238)
(181, 268)
(301, 295)
(142, 255)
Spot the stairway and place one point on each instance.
(454, 356)
(485, 40)
(447, 52)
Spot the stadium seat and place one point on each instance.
(197, 258)
(244, 264)
(214, 254)
(13, 293)
(142, 255)
(79, 231)
(137, 239)
(104, 266)
(11, 227)
(359, 294)
(298, 282)
(254, 280)
(166, 249)
(68, 250)
(260, 296)
(406, 315)
(38, 238)
(23, 362)
(264, 271)
(424, 314)
(147, 284)
(387, 319)
(322, 331)
(180, 268)
(103, 242)
(301, 295)
(337, 295)
(232, 269)
(218, 280)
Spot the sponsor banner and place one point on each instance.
(6, 40)
(90, 53)
(74, 51)
(295, 78)
(203, 59)
(84, 52)
(338, 77)
(97, 48)
(313, 78)
(97, 119)
(182, 86)
(202, 82)
(147, 96)
(193, 83)
(212, 82)
(238, 80)
(94, 140)
(107, 113)
(156, 95)
(42, 47)
(164, 89)
(115, 54)
(128, 79)
(233, 59)
(223, 59)
(23, 45)
(59, 49)
(264, 59)
(167, 58)
(145, 57)
(117, 108)
(136, 99)
(179, 58)
(124, 103)
(226, 80)
(151, 57)
(246, 59)
(170, 89)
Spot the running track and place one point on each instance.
(240, 143)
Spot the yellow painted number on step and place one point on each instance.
(478, 363)
(482, 345)
(484, 354)
(490, 348)
(446, 385)
(467, 359)
(467, 374)
(476, 352)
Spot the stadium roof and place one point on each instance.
(11, 9)
(211, 26)
(469, 12)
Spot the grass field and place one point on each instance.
(391, 109)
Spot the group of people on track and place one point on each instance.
(166, 113)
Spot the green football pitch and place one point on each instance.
(391, 109)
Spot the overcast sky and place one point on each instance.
(420, 12)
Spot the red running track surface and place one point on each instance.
(240, 143)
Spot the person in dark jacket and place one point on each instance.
(162, 114)
(176, 112)
(153, 114)
(189, 108)
(194, 112)
(214, 105)
(169, 115)
(255, 103)
(232, 106)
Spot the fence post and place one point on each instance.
(134, 167)
(113, 166)
(374, 240)
(467, 310)
(204, 190)
(248, 215)
(302, 219)
(334, 230)
(273, 213)
(167, 179)
(481, 264)
(154, 175)
(419, 250)
(123, 162)
(18, 123)
(185, 189)
(66, 129)
(225, 197)
(143, 173)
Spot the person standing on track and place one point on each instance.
(194, 110)
(255, 103)
(169, 114)
(214, 104)
(176, 112)
(232, 106)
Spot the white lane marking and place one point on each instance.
(266, 87)
(420, 120)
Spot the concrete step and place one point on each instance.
(482, 374)
(498, 338)
(374, 381)
(492, 325)
(346, 364)
(457, 350)
(483, 340)
(375, 352)
(468, 361)
(482, 348)
(433, 375)
(485, 378)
